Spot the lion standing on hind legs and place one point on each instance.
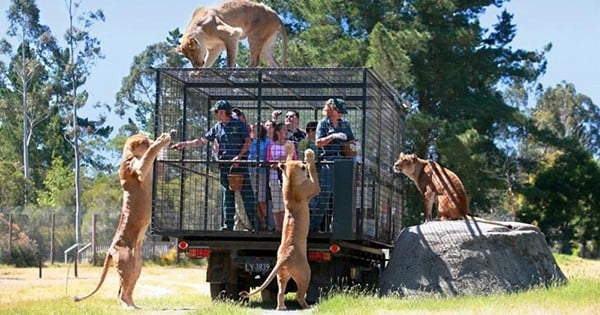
(300, 184)
(125, 251)
(438, 185)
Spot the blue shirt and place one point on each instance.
(325, 128)
(231, 137)
(258, 149)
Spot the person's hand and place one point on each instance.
(355, 146)
(339, 135)
(178, 146)
(275, 114)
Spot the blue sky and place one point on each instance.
(132, 25)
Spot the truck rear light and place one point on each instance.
(198, 252)
(315, 255)
(334, 248)
(183, 245)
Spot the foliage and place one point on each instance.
(466, 86)
(102, 199)
(562, 198)
(24, 251)
(138, 90)
(566, 113)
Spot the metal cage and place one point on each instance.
(186, 198)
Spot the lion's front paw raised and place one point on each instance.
(309, 155)
(164, 138)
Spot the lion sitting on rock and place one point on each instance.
(300, 184)
(211, 31)
(439, 185)
(125, 251)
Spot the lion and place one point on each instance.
(125, 251)
(211, 31)
(438, 184)
(300, 184)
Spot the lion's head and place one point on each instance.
(136, 145)
(193, 49)
(406, 163)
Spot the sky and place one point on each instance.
(132, 25)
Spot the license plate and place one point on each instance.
(257, 267)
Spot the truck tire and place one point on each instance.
(217, 291)
(268, 296)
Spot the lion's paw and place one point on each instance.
(309, 156)
(164, 138)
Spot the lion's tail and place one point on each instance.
(107, 262)
(283, 44)
(246, 294)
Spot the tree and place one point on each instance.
(139, 87)
(80, 59)
(566, 113)
(562, 199)
(447, 66)
(562, 189)
(29, 70)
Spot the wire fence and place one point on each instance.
(30, 236)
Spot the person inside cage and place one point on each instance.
(276, 153)
(331, 133)
(292, 123)
(233, 138)
(260, 172)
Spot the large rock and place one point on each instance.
(445, 258)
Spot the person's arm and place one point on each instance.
(244, 150)
(269, 156)
(295, 155)
(191, 143)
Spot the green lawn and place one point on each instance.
(182, 290)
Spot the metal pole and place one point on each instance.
(52, 239)
(10, 224)
(94, 253)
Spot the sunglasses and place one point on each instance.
(290, 116)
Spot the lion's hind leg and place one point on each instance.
(283, 277)
(301, 275)
(126, 267)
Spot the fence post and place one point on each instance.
(10, 224)
(94, 254)
(52, 239)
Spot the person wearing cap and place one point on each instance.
(332, 131)
(233, 138)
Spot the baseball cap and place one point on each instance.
(221, 104)
(339, 104)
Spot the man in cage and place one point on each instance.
(331, 133)
(233, 139)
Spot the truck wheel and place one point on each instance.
(268, 296)
(217, 291)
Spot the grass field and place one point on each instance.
(183, 290)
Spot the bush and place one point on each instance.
(24, 251)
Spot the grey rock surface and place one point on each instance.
(447, 258)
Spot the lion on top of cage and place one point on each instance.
(213, 30)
